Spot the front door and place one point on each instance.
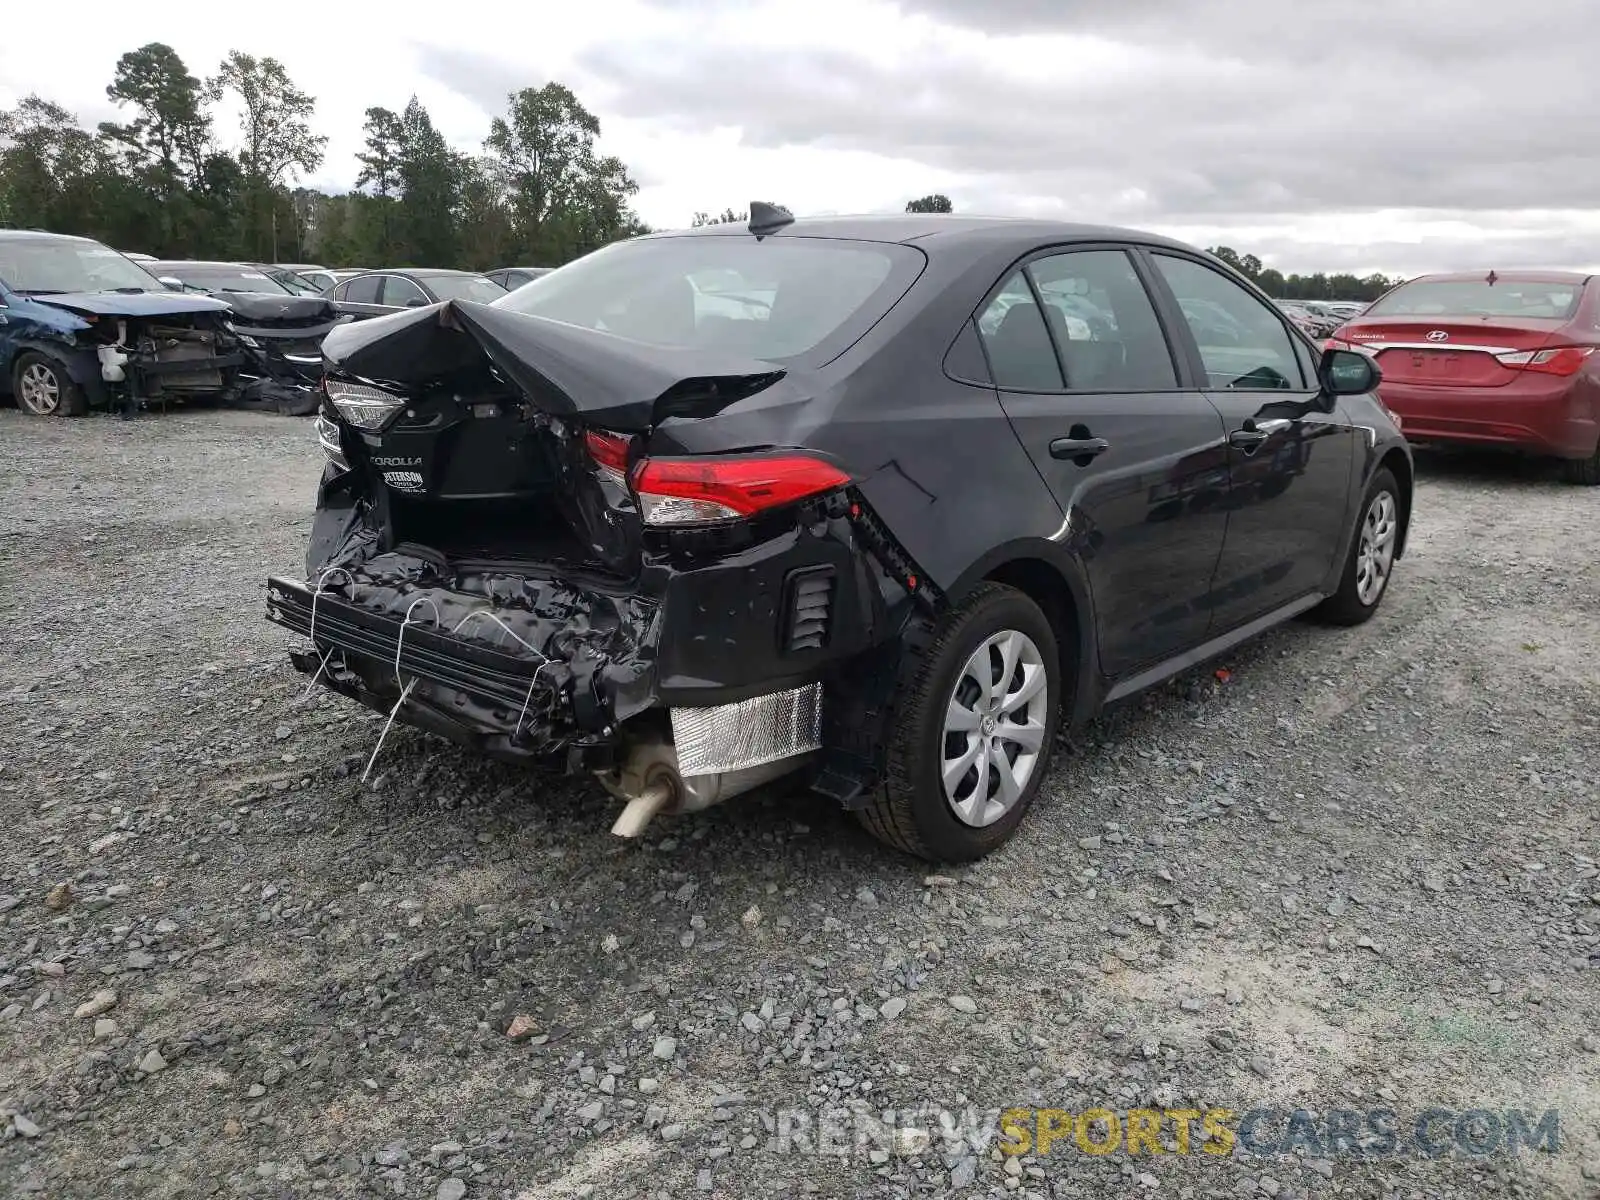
(1291, 453)
(1135, 459)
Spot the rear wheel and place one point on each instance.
(43, 387)
(1583, 471)
(971, 739)
(1372, 553)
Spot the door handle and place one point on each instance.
(1254, 432)
(1079, 448)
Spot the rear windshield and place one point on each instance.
(778, 298)
(464, 287)
(221, 279)
(1479, 298)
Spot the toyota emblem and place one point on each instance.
(1438, 335)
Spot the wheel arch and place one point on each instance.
(1400, 466)
(1047, 575)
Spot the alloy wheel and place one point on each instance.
(1375, 556)
(39, 390)
(994, 728)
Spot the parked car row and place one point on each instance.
(1319, 318)
(84, 326)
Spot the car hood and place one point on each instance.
(264, 306)
(131, 304)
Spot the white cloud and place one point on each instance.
(1295, 141)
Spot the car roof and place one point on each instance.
(202, 262)
(43, 235)
(1512, 276)
(495, 270)
(940, 229)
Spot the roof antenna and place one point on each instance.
(1492, 278)
(768, 218)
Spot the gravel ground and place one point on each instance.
(1359, 872)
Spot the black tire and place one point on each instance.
(910, 811)
(70, 400)
(1346, 606)
(1585, 472)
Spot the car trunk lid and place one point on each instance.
(1449, 351)
(470, 426)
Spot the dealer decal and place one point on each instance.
(404, 481)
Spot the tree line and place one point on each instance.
(1319, 286)
(160, 181)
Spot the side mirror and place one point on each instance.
(1348, 373)
(171, 284)
(416, 302)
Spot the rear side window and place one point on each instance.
(362, 290)
(1021, 356)
(781, 297)
(1479, 298)
(1105, 325)
(1243, 344)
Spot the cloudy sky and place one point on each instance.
(1394, 135)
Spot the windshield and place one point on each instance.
(292, 281)
(1479, 298)
(464, 287)
(772, 299)
(64, 265)
(221, 278)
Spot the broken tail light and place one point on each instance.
(363, 406)
(696, 491)
(610, 454)
(1557, 360)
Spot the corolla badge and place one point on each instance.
(1438, 335)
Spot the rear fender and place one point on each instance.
(1054, 580)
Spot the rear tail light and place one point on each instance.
(1558, 360)
(695, 491)
(364, 407)
(610, 454)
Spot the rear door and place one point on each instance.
(1132, 451)
(1290, 451)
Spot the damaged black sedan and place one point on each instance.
(279, 327)
(934, 489)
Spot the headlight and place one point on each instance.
(364, 407)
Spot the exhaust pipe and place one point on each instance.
(641, 809)
(650, 782)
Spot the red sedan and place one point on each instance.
(1492, 359)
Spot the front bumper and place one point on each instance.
(1540, 414)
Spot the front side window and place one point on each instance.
(777, 298)
(1243, 344)
(1104, 322)
(1021, 356)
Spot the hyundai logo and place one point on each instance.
(1438, 335)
